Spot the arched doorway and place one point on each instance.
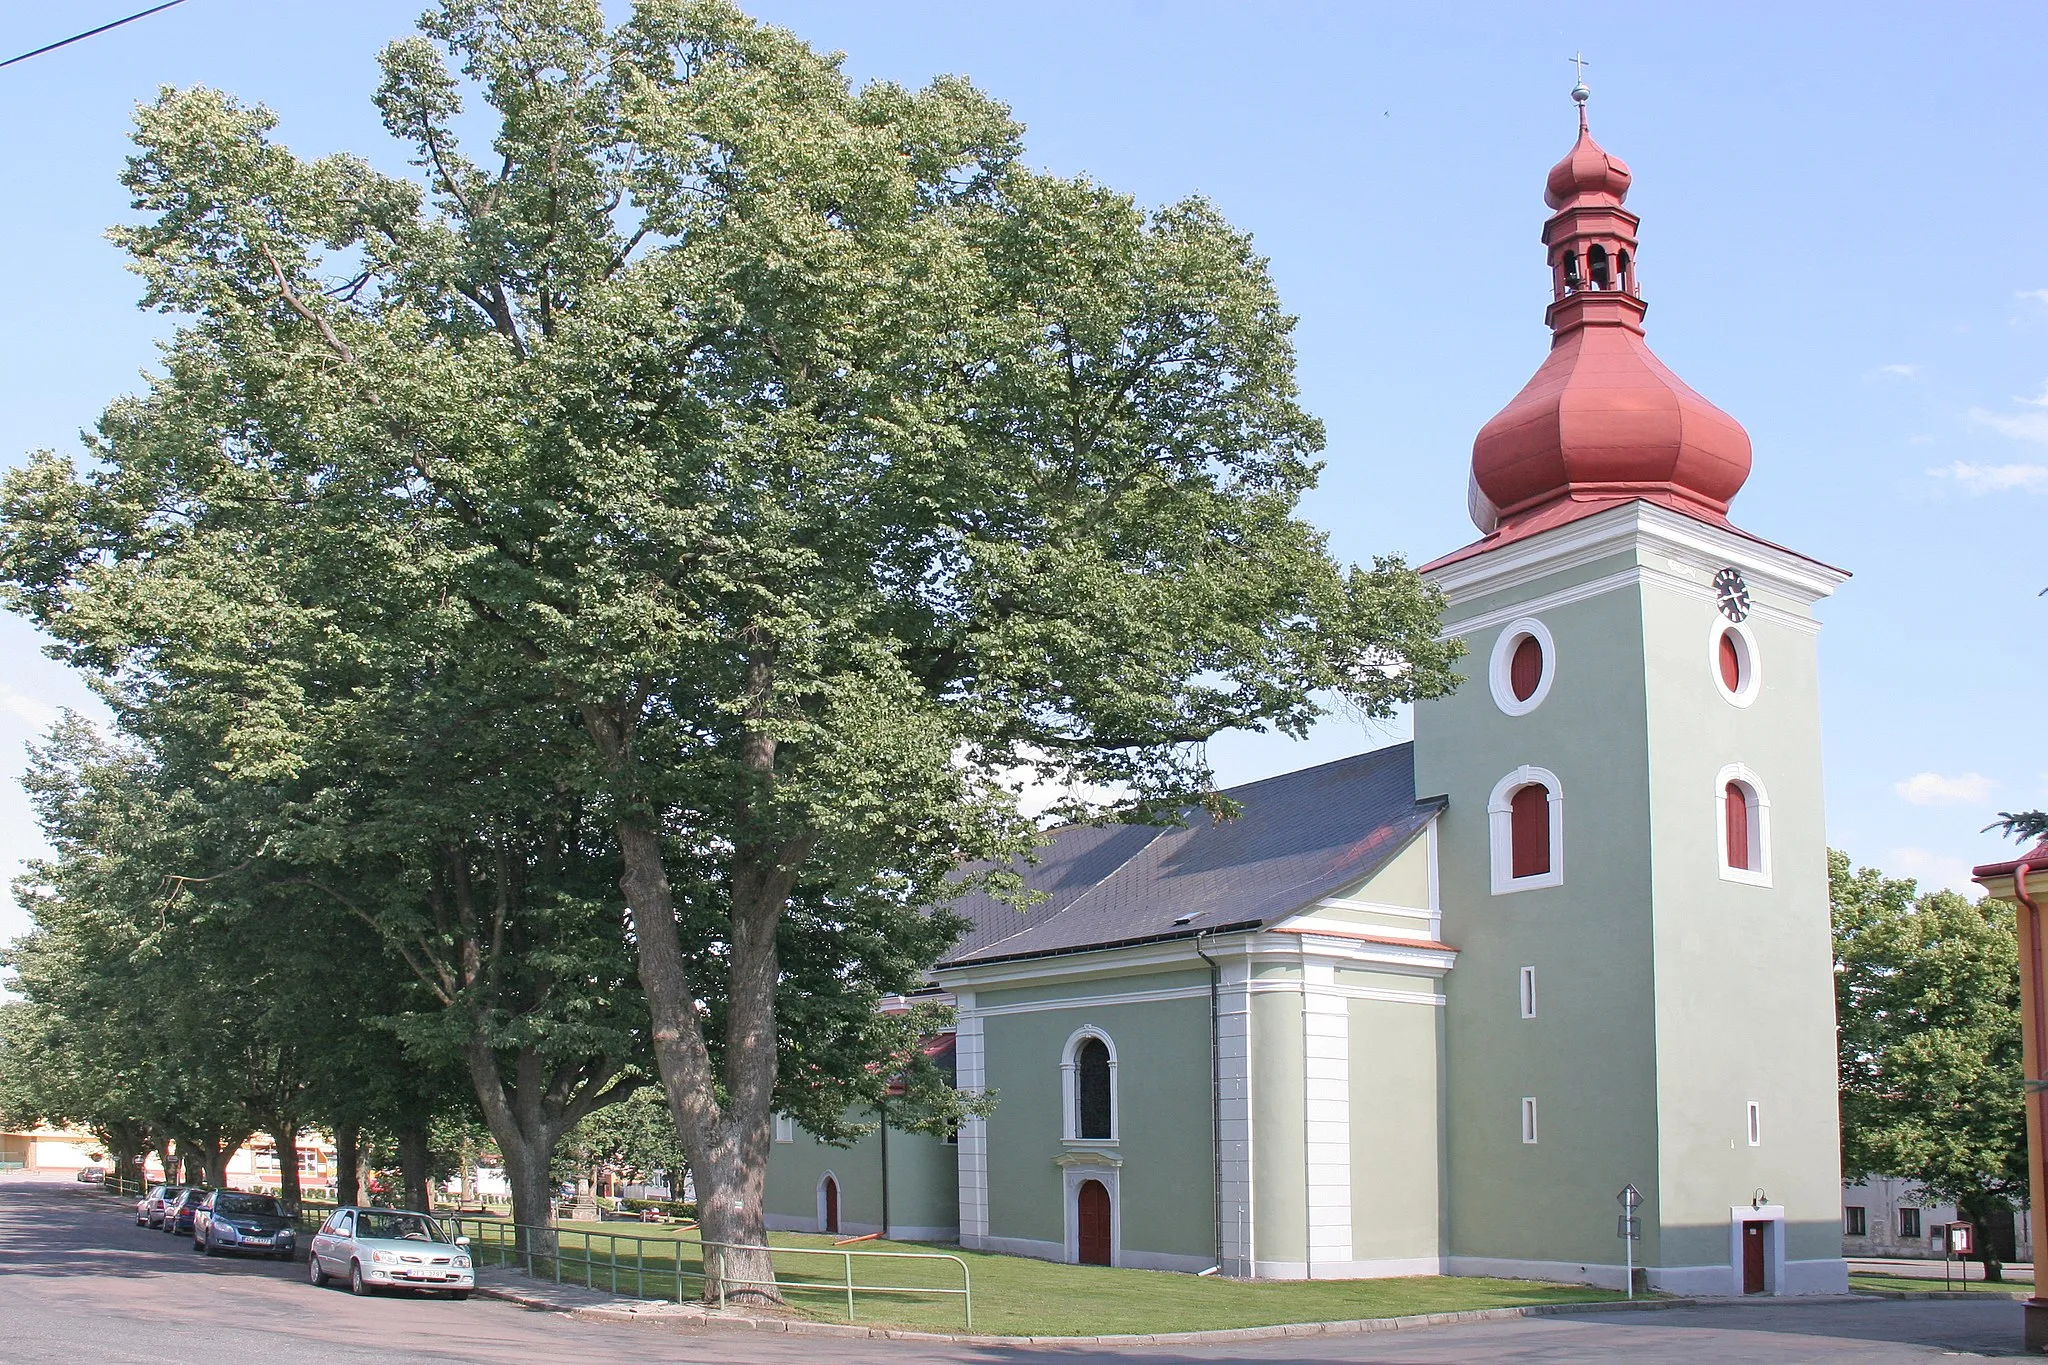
(1092, 1223)
(828, 1204)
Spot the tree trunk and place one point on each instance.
(286, 1140)
(348, 1163)
(728, 1144)
(412, 1166)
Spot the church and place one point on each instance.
(1435, 1008)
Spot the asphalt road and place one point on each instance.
(79, 1281)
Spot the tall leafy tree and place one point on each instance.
(1927, 1002)
(815, 457)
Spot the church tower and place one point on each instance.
(1633, 857)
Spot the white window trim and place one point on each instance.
(1501, 825)
(785, 1128)
(1501, 664)
(1745, 649)
(1754, 1117)
(1529, 1120)
(1526, 989)
(1759, 826)
(1070, 1088)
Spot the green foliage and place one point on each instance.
(1927, 997)
(723, 497)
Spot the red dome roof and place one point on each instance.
(1586, 171)
(1602, 421)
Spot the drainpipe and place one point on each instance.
(1215, 1094)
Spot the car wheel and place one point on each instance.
(355, 1279)
(206, 1246)
(315, 1273)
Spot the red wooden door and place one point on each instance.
(1753, 1258)
(1093, 1221)
(831, 1204)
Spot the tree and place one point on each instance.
(820, 460)
(1927, 999)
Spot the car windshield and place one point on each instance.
(246, 1204)
(408, 1227)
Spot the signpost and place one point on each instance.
(1629, 1229)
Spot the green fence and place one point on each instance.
(667, 1267)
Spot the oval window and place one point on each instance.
(1731, 662)
(1526, 670)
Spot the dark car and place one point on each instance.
(229, 1220)
(178, 1212)
(149, 1210)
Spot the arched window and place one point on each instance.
(1626, 274)
(1596, 262)
(1735, 804)
(1091, 1061)
(1526, 816)
(1743, 817)
(1571, 272)
(1529, 830)
(1089, 1087)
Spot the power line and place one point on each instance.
(90, 32)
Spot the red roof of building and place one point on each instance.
(2036, 859)
(1602, 421)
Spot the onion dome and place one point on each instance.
(1602, 421)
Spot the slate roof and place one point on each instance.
(1299, 837)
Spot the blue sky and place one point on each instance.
(1841, 246)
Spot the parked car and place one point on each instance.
(229, 1220)
(149, 1210)
(91, 1175)
(178, 1212)
(378, 1248)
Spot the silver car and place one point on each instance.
(390, 1248)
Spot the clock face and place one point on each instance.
(1731, 594)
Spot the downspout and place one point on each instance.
(1215, 1096)
(883, 1108)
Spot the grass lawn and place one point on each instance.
(1913, 1284)
(1018, 1296)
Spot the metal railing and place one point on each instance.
(668, 1262)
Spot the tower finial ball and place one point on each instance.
(1580, 93)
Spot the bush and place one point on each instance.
(672, 1208)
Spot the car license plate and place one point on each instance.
(256, 1239)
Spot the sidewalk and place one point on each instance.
(2020, 1272)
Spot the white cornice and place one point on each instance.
(1120, 962)
(1674, 549)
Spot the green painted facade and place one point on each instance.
(1344, 1094)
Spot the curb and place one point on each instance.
(675, 1317)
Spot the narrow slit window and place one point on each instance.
(1756, 1124)
(1528, 992)
(1529, 1119)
